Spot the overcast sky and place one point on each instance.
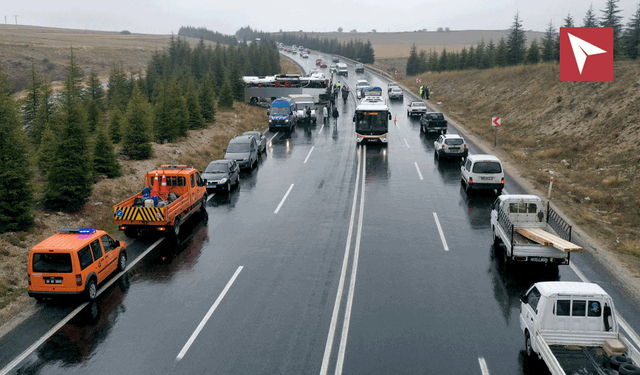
(166, 16)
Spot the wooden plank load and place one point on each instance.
(545, 238)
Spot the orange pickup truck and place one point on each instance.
(172, 193)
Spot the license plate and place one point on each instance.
(538, 259)
(51, 280)
(456, 149)
(486, 178)
(214, 186)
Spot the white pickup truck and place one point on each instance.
(574, 329)
(529, 232)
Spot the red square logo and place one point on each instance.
(586, 54)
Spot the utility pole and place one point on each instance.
(5, 20)
(16, 19)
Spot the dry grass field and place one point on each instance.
(586, 135)
(49, 49)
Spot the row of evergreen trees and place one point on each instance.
(353, 49)
(70, 135)
(203, 33)
(514, 50)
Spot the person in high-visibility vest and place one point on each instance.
(422, 91)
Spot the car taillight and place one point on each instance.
(443, 147)
(465, 146)
(471, 180)
(29, 278)
(122, 227)
(79, 280)
(502, 181)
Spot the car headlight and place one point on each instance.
(269, 120)
(245, 159)
(222, 181)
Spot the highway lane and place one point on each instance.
(273, 278)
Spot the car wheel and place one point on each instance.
(176, 228)
(203, 205)
(437, 156)
(467, 188)
(421, 129)
(92, 290)
(122, 261)
(527, 347)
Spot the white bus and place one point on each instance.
(259, 90)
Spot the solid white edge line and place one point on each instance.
(72, 314)
(418, 169)
(444, 241)
(406, 143)
(283, 199)
(343, 273)
(204, 321)
(273, 137)
(211, 196)
(623, 323)
(309, 154)
(322, 127)
(483, 366)
(354, 270)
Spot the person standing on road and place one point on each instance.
(335, 115)
(308, 113)
(325, 115)
(428, 92)
(422, 91)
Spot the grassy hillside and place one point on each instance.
(584, 134)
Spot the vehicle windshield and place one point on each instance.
(237, 147)
(435, 116)
(279, 111)
(396, 90)
(52, 262)
(487, 167)
(371, 121)
(217, 168)
(454, 141)
(302, 105)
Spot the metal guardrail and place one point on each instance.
(558, 224)
(506, 225)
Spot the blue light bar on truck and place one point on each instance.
(77, 230)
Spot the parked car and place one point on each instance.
(396, 93)
(221, 175)
(482, 172)
(433, 122)
(335, 60)
(260, 139)
(359, 68)
(450, 146)
(74, 262)
(416, 108)
(323, 64)
(244, 150)
(304, 55)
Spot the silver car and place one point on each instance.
(244, 150)
(260, 139)
(396, 93)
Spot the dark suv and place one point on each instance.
(244, 150)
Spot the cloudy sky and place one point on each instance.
(166, 16)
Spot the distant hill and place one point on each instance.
(398, 44)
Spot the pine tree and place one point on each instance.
(226, 97)
(69, 180)
(206, 98)
(115, 125)
(94, 91)
(137, 134)
(368, 54)
(105, 161)
(237, 86)
(31, 102)
(516, 42)
(46, 112)
(632, 35)
(568, 22)
(533, 54)
(590, 19)
(413, 63)
(549, 52)
(610, 18)
(16, 200)
(170, 114)
(443, 64)
(195, 112)
(501, 57)
(94, 115)
(47, 149)
(117, 92)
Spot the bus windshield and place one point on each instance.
(369, 120)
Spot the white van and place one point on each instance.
(482, 172)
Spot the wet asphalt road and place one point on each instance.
(415, 303)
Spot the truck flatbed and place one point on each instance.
(582, 360)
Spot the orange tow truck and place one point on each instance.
(171, 194)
